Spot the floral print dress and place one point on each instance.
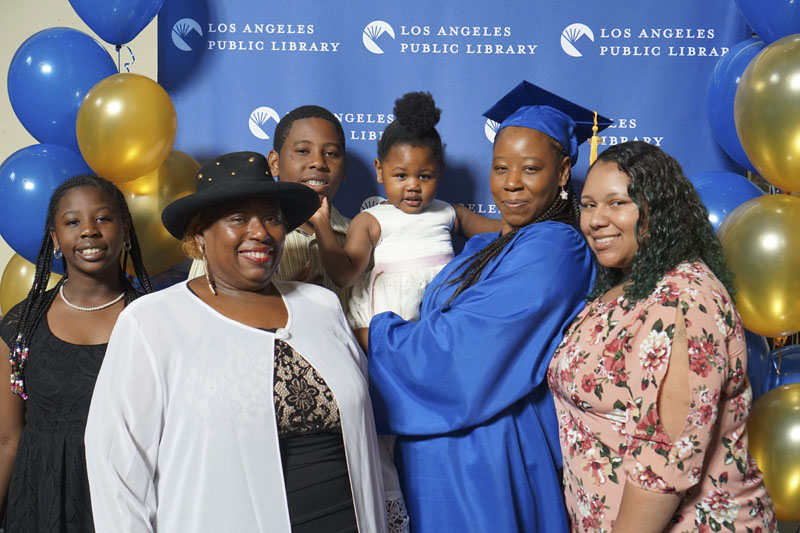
(605, 377)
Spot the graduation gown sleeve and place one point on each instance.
(463, 363)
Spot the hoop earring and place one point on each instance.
(209, 277)
(563, 194)
(126, 246)
(57, 253)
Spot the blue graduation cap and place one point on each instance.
(530, 106)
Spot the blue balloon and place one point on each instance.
(771, 19)
(759, 363)
(117, 21)
(722, 192)
(721, 92)
(27, 180)
(789, 366)
(48, 77)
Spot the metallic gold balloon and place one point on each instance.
(774, 431)
(147, 197)
(17, 281)
(767, 112)
(126, 126)
(761, 242)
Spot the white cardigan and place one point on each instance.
(182, 436)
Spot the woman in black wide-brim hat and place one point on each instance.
(234, 402)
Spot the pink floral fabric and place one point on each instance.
(605, 377)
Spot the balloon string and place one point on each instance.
(119, 46)
(779, 342)
(127, 65)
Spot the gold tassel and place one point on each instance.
(593, 143)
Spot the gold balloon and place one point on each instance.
(761, 242)
(767, 112)
(147, 197)
(17, 281)
(774, 431)
(126, 126)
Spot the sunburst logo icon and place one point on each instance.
(181, 30)
(490, 129)
(372, 32)
(259, 120)
(371, 201)
(571, 35)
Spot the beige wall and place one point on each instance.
(19, 19)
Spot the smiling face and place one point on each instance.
(526, 175)
(244, 243)
(609, 216)
(89, 230)
(409, 175)
(313, 155)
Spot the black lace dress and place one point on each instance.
(312, 449)
(49, 490)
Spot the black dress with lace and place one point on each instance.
(49, 490)
(312, 449)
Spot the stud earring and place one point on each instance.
(209, 277)
(57, 253)
(563, 194)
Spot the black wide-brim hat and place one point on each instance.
(239, 176)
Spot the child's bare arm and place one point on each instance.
(345, 265)
(469, 223)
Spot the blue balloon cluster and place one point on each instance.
(117, 21)
(771, 20)
(48, 77)
(789, 359)
(721, 93)
(722, 192)
(759, 363)
(27, 180)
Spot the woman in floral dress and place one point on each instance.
(649, 381)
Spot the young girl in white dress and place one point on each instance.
(409, 233)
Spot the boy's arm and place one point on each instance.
(469, 224)
(345, 265)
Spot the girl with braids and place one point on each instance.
(57, 340)
(649, 381)
(410, 235)
(463, 388)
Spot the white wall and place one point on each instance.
(19, 19)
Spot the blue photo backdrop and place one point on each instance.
(233, 67)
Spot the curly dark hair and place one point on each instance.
(306, 111)
(673, 224)
(415, 119)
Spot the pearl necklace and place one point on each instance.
(87, 309)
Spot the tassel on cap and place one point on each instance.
(593, 142)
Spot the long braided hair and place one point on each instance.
(39, 298)
(566, 211)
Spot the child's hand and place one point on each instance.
(306, 276)
(322, 215)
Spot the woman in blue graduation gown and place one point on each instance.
(464, 387)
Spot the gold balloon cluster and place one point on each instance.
(147, 196)
(774, 430)
(767, 112)
(17, 281)
(761, 242)
(126, 126)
